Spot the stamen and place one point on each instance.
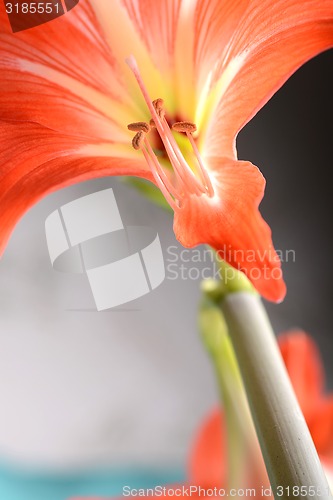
(161, 172)
(188, 182)
(203, 171)
(139, 126)
(158, 104)
(184, 127)
(176, 162)
(137, 140)
(191, 181)
(159, 107)
(189, 128)
(159, 181)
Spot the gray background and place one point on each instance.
(80, 388)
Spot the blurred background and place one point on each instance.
(91, 400)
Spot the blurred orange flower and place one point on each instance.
(208, 465)
(66, 97)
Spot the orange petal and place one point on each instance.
(146, 30)
(207, 466)
(35, 161)
(156, 23)
(231, 223)
(63, 75)
(215, 24)
(205, 29)
(306, 371)
(304, 365)
(272, 40)
(321, 428)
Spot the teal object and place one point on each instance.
(19, 485)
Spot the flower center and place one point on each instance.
(184, 182)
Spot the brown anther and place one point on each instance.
(137, 140)
(139, 127)
(158, 105)
(152, 124)
(184, 127)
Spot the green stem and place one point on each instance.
(241, 438)
(290, 456)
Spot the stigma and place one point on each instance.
(184, 182)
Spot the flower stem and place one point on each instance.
(233, 399)
(290, 456)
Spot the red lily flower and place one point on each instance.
(208, 466)
(66, 96)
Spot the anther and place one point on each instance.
(152, 123)
(159, 107)
(186, 127)
(139, 127)
(137, 140)
(158, 104)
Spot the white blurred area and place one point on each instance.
(80, 388)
